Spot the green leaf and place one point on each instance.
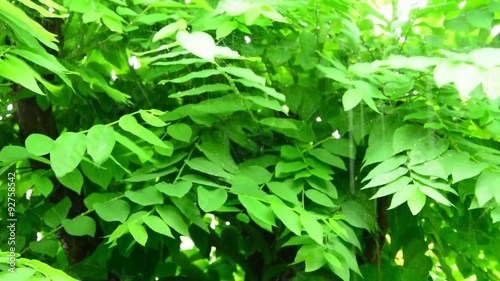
(351, 99)
(42, 58)
(426, 149)
(98, 197)
(342, 147)
(243, 218)
(278, 56)
(38, 144)
(55, 215)
(270, 12)
(211, 199)
(19, 72)
(487, 187)
(208, 88)
(466, 170)
(416, 201)
(141, 177)
(80, 226)
(323, 185)
(169, 30)
(117, 233)
(336, 266)
(266, 102)
(258, 209)
(289, 218)
(495, 215)
(67, 152)
(173, 218)
(225, 29)
(386, 166)
(387, 177)
(72, 180)
(99, 176)
(48, 247)
(402, 196)
(207, 167)
(434, 194)
(129, 124)
(178, 189)
(357, 215)
(145, 196)
(43, 184)
(481, 18)
(139, 233)
(258, 174)
(325, 156)
(434, 183)
(223, 105)
(112, 23)
(100, 143)
(13, 153)
(115, 210)
(433, 168)
(319, 198)
(200, 180)
(288, 152)
(151, 119)
(141, 153)
(335, 74)
(308, 250)
(216, 147)
(166, 150)
(340, 250)
(251, 15)
(17, 17)
(180, 132)
(314, 260)
(404, 137)
(345, 232)
(137, 217)
(245, 73)
(288, 167)
(196, 74)
(284, 191)
(124, 11)
(199, 43)
(312, 227)
(392, 187)
(268, 90)
(158, 225)
(188, 207)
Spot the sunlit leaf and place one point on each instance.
(67, 152)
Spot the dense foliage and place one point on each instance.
(287, 140)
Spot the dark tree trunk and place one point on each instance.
(32, 119)
(375, 243)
